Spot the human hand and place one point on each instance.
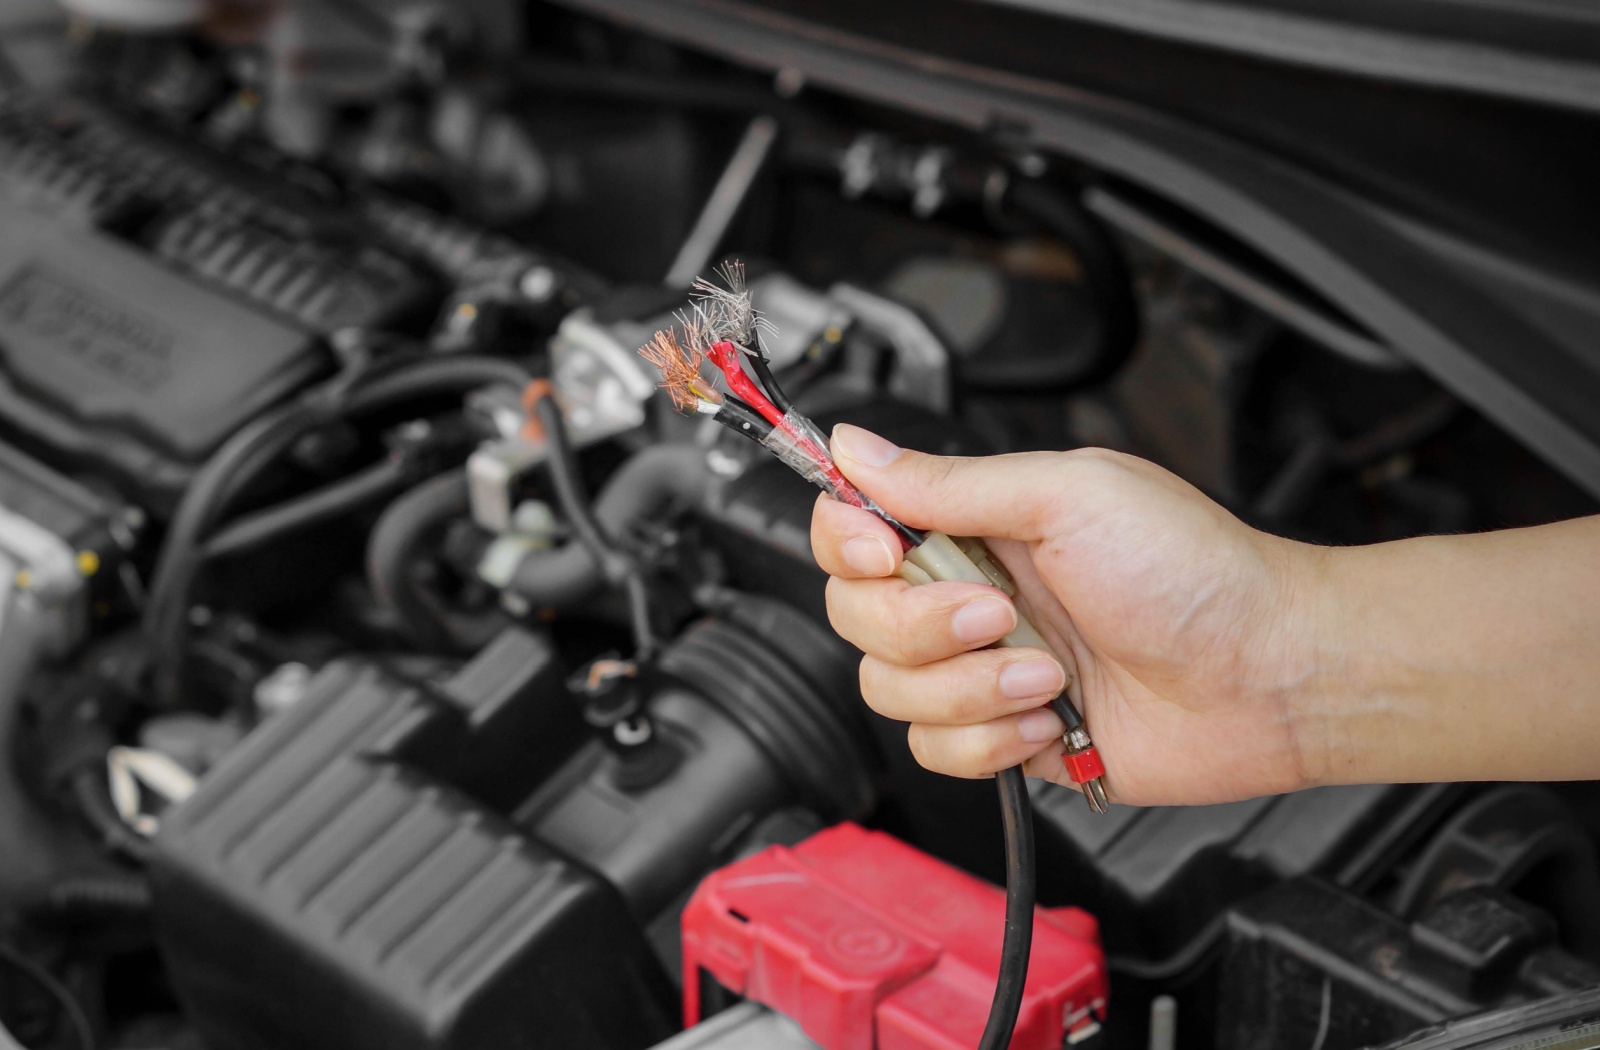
(1181, 622)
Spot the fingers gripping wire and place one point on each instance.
(719, 326)
(724, 328)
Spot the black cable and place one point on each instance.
(333, 500)
(742, 419)
(1016, 817)
(647, 485)
(769, 383)
(56, 990)
(1067, 712)
(616, 565)
(254, 449)
(574, 499)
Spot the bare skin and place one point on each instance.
(1213, 662)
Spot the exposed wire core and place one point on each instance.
(680, 371)
(722, 326)
(728, 311)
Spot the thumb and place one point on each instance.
(1013, 496)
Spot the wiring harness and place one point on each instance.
(722, 327)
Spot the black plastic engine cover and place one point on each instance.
(107, 353)
(1309, 965)
(326, 888)
(1158, 878)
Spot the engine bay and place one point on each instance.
(317, 723)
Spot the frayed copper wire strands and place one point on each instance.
(679, 365)
(727, 312)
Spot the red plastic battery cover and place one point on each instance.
(871, 944)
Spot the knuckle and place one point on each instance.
(1102, 463)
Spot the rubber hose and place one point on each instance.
(331, 501)
(89, 791)
(641, 487)
(71, 1009)
(1106, 281)
(253, 449)
(392, 548)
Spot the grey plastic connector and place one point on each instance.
(968, 560)
(944, 558)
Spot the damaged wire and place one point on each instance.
(722, 326)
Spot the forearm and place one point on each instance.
(1455, 658)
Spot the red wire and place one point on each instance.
(728, 359)
(725, 356)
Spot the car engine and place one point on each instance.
(323, 723)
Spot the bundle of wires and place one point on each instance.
(723, 327)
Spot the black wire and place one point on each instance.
(616, 565)
(330, 501)
(747, 422)
(769, 382)
(909, 536)
(1067, 711)
(56, 990)
(743, 420)
(258, 445)
(1016, 817)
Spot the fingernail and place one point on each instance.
(868, 555)
(1040, 676)
(863, 446)
(1038, 726)
(983, 620)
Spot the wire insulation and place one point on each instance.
(254, 449)
(1016, 817)
(616, 565)
(334, 500)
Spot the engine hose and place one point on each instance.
(334, 500)
(639, 489)
(251, 451)
(779, 688)
(89, 792)
(1106, 281)
(394, 544)
(72, 1011)
(1016, 817)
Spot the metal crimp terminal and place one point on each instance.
(1080, 758)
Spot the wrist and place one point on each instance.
(1311, 647)
(1362, 682)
